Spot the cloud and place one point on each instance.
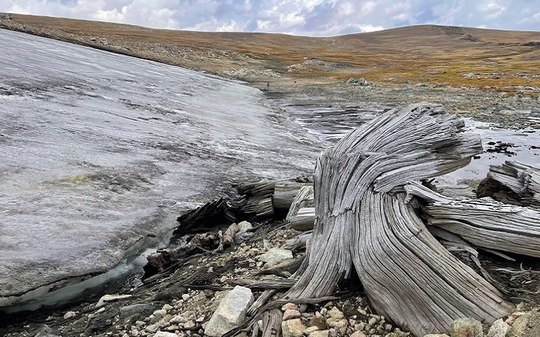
(304, 17)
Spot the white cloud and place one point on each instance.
(305, 17)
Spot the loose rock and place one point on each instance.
(69, 314)
(319, 333)
(527, 325)
(230, 312)
(290, 314)
(276, 255)
(499, 328)
(466, 327)
(165, 334)
(358, 334)
(293, 328)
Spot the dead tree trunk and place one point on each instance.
(515, 181)
(363, 223)
(483, 222)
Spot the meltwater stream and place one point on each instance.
(100, 151)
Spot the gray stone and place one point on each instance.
(437, 335)
(165, 334)
(244, 226)
(152, 328)
(466, 327)
(69, 314)
(230, 312)
(499, 328)
(319, 333)
(293, 328)
(527, 325)
(276, 255)
(143, 309)
(46, 331)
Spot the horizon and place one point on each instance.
(316, 18)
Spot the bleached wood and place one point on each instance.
(304, 198)
(522, 179)
(484, 222)
(304, 219)
(363, 223)
(285, 192)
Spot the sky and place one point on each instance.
(299, 17)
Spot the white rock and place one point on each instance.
(230, 312)
(244, 226)
(70, 314)
(108, 298)
(165, 334)
(152, 328)
(499, 328)
(293, 328)
(276, 255)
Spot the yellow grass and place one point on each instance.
(428, 54)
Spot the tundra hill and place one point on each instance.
(441, 55)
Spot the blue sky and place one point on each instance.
(301, 17)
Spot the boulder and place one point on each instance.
(275, 256)
(230, 312)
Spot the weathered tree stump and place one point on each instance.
(364, 225)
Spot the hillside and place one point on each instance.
(419, 54)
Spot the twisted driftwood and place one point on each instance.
(364, 224)
(519, 182)
(484, 222)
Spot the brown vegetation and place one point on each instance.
(420, 54)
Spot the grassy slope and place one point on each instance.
(433, 54)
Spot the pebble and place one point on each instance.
(335, 313)
(290, 314)
(289, 306)
(70, 314)
(293, 328)
(320, 333)
(358, 334)
(165, 334)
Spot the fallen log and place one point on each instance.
(285, 192)
(301, 213)
(364, 225)
(516, 181)
(483, 222)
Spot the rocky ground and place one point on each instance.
(182, 300)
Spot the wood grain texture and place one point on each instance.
(364, 225)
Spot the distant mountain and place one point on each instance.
(429, 54)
